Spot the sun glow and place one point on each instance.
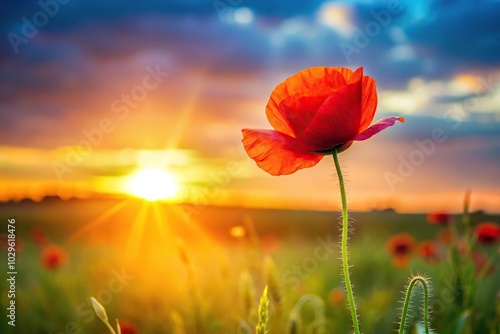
(152, 184)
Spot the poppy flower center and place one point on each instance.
(401, 249)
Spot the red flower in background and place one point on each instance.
(337, 296)
(53, 257)
(401, 246)
(487, 233)
(313, 112)
(428, 250)
(441, 218)
(127, 327)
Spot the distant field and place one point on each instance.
(153, 265)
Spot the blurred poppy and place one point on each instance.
(439, 218)
(269, 243)
(487, 233)
(400, 247)
(337, 296)
(53, 257)
(39, 237)
(127, 327)
(428, 250)
(313, 112)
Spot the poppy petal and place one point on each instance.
(346, 73)
(320, 80)
(378, 126)
(337, 121)
(308, 106)
(355, 76)
(369, 100)
(276, 152)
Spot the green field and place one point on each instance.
(177, 269)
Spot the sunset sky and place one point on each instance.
(93, 92)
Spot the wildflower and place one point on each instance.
(127, 327)
(312, 113)
(439, 218)
(336, 296)
(400, 246)
(428, 250)
(53, 257)
(487, 233)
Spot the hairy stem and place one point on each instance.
(406, 305)
(345, 234)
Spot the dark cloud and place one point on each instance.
(89, 47)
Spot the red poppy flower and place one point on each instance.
(127, 327)
(400, 246)
(337, 296)
(53, 257)
(441, 218)
(428, 250)
(487, 233)
(313, 112)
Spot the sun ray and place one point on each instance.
(185, 114)
(160, 222)
(137, 230)
(101, 219)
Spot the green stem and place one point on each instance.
(345, 257)
(406, 304)
(111, 330)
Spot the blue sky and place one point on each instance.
(436, 62)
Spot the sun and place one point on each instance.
(152, 184)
